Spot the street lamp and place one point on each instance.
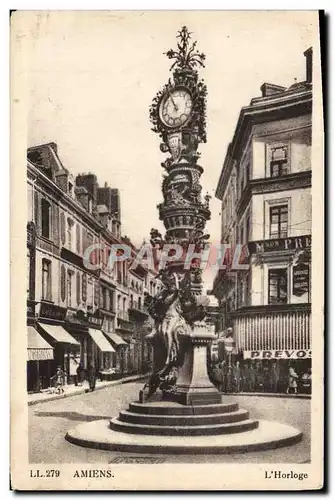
(229, 345)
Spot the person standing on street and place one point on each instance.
(237, 376)
(59, 379)
(91, 372)
(251, 378)
(274, 377)
(292, 380)
(80, 374)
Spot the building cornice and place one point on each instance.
(271, 308)
(298, 180)
(285, 105)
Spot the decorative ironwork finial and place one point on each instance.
(186, 57)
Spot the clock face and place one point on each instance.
(176, 107)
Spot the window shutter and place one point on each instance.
(78, 239)
(78, 288)
(84, 243)
(84, 287)
(37, 214)
(62, 283)
(62, 228)
(55, 224)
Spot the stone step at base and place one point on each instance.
(184, 420)
(171, 408)
(197, 430)
(268, 435)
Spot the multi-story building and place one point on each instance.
(265, 190)
(75, 311)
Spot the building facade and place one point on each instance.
(77, 314)
(265, 190)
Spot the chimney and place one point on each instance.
(309, 64)
(269, 89)
(89, 182)
(110, 198)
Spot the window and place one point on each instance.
(278, 286)
(139, 303)
(46, 219)
(46, 280)
(247, 227)
(69, 288)
(278, 158)
(70, 189)
(242, 234)
(279, 221)
(111, 301)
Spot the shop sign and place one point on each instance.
(50, 311)
(277, 354)
(300, 279)
(293, 243)
(95, 321)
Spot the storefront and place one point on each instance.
(120, 346)
(50, 324)
(39, 359)
(273, 367)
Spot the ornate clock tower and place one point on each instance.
(179, 400)
(178, 115)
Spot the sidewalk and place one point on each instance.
(269, 394)
(72, 390)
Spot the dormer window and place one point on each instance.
(70, 189)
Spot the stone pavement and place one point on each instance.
(73, 390)
(49, 423)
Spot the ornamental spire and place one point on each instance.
(186, 58)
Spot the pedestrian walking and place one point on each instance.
(274, 377)
(237, 376)
(59, 380)
(217, 376)
(80, 374)
(306, 381)
(91, 372)
(266, 378)
(259, 378)
(251, 378)
(292, 380)
(245, 378)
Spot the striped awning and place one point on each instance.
(100, 340)
(59, 334)
(116, 339)
(38, 348)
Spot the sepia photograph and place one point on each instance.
(168, 193)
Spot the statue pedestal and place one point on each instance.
(193, 386)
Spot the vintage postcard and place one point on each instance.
(167, 196)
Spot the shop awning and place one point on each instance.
(38, 348)
(100, 340)
(116, 339)
(59, 334)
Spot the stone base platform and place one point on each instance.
(268, 435)
(169, 427)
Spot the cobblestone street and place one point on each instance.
(49, 422)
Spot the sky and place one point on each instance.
(92, 77)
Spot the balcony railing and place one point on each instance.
(279, 327)
(137, 309)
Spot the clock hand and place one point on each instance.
(175, 106)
